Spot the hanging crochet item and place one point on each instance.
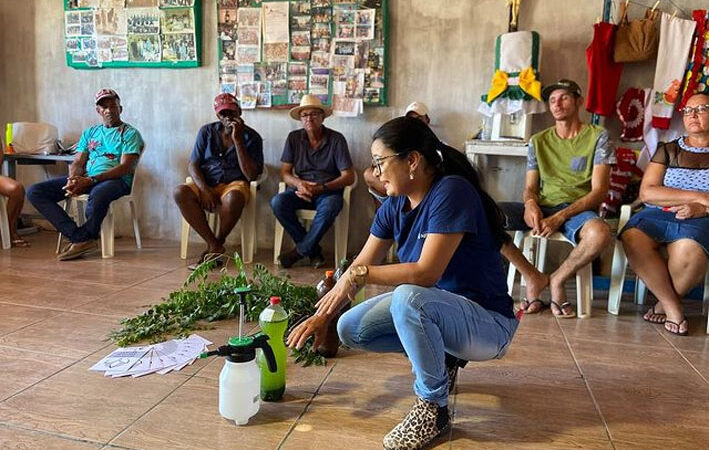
(515, 85)
(697, 77)
(631, 112)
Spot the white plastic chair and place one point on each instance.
(341, 224)
(4, 224)
(108, 224)
(620, 266)
(247, 221)
(584, 276)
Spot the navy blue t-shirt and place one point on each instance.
(452, 205)
(219, 165)
(321, 164)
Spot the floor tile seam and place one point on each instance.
(607, 430)
(679, 352)
(25, 305)
(149, 410)
(53, 373)
(306, 408)
(601, 341)
(66, 437)
(29, 325)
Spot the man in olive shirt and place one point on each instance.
(568, 174)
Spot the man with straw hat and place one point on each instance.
(316, 167)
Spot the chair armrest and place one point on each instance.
(625, 212)
(261, 178)
(348, 189)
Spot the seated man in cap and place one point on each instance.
(316, 167)
(106, 158)
(226, 157)
(568, 174)
(417, 110)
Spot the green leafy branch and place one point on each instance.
(203, 300)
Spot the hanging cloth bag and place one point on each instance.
(636, 40)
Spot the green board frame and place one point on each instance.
(197, 10)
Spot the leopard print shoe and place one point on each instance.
(452, 366)
(421, 426)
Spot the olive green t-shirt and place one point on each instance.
(566, 165)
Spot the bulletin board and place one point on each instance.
(272, 52)
(132, 33)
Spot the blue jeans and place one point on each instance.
(425, 323)
(515, 218)
(327, 207)
(44, 197)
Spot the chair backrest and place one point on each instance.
(34, 137)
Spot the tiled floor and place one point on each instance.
(605, 382)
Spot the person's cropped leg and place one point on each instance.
(431, 322)
(327, 207)
(100, 197)
(44, 196)
(369, 326)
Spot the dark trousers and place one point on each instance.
(327, 207)
(46, 195)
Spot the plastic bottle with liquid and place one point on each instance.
(273, 322)
(8, 139)
(240, 378)
(329, 348)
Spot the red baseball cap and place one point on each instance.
(225, 101)
(106, 93)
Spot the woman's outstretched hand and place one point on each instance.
(333, 300)
(316, 325)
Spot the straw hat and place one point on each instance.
(310, 102)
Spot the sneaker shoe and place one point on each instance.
(317, 261)
(422, 425)
(78, 250)
(289, 258)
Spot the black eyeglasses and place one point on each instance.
(377, 162)
(699, 109)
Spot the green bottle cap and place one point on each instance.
(237, 341)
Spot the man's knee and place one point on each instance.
(331, 206)
(183, 194)
(369, 177)
(233, 201)
(16, 190)
(597, 233)
(34, 192)
(279, 203)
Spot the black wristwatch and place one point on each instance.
(324, 187)
(94, 180)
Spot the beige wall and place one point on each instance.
(441, 52)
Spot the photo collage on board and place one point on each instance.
(273, 53)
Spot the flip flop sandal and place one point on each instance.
(561, 307)
(679, 326)
(661, 319)
(530, 303)
(20, 243)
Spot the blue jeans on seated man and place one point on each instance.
(425, 323)
(515, 218)
(327, 207)
(46, 195)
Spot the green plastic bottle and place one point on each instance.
(274, 322)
